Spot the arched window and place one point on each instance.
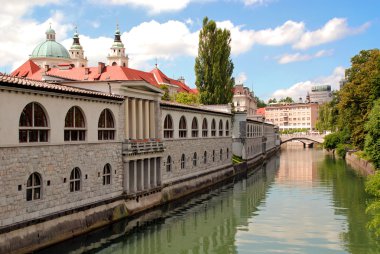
(168, 127)
(221, 154)
(204, 128)
(183, 161)
(213, 128)
(107, 174)
(213, 155)
(182, 130)
(75, 128)
(228, 153)
(75, 179)
(106, 125)
(33, 124)
(33, 187)
(195, 158)
(205, 157)
(194, 128)
(227, 128)
(169, 164)
(220, 128)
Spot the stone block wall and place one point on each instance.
(175, 149)
(54, 164)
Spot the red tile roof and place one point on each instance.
(163, 79)
(12, 81)
(28, 69)
(260, 111)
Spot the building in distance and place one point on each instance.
(244, 100)
(320, 94)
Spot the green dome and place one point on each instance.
(50, 48)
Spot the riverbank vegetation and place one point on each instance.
(353, 114)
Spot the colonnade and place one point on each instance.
(140, 118)
(142, 174)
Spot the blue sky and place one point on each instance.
(280, 47)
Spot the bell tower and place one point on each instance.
(117, 56)
(76, 52)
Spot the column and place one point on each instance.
(152, 122)
(126, 120)
(133, 119)
(139, 175)
(153, 170)
(146, 119)
(126, 176)
(147, 174)
(139, 120)
(158, 171)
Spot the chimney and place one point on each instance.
(47, 68)
(101, 67)
(86, 71)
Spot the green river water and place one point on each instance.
(301, 201)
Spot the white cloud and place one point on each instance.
(189, 21)
(255, 2)
(334, 29)
(300, 89)
(153, 6)
(241, 78)
(298, 57)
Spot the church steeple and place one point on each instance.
(50, 34)
(117, 56)
(77, 52)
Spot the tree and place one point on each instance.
(213, 65)
(286, 100)
(260, 103)
(272, 101)
(187, 98)
(358, 94)
(166, 96)
(372, 139)
(328, 115)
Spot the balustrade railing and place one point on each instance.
(143, 146)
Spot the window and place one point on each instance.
(106, 126)
(221, 154)
(213, 155)
(213, 128)
(168, 127)
(195, 158)
(194, 128)
(204, 128)
(74, 125)
(220, 128)
(107, 174)
(228, 153)
(227, 128)
(33, 125)
(183, 160)
(75, 178)
(182, 131)
(205, 157)
(33, 187)
(169, 164)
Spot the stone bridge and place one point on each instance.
(304, 138)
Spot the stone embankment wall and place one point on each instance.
(44, 233)
(359, 164)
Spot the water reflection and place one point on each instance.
(304, 202)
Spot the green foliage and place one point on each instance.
(292, 131)
(187, 98)
(213, 65)
(260, 103)
(286, 100)
(342, 149)
(372, 139)
(166, 96)
(331, 141)
(272, 101)
(372, 187)
(328, 115)
(358, 94)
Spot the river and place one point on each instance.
(302, 201)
